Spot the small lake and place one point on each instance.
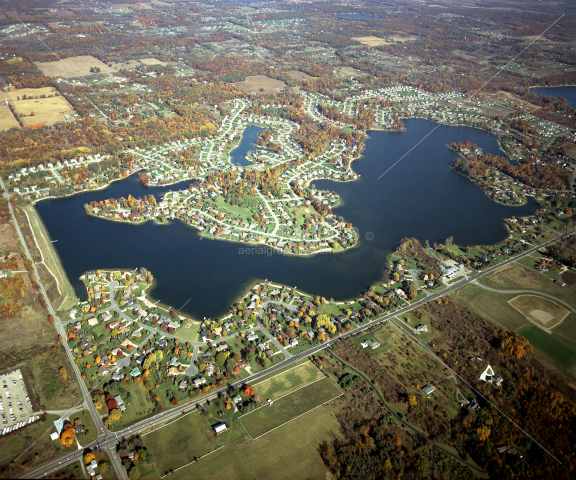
(569, 93)
(420, 197)
(249, 136)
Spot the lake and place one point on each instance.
(421, 197)
(249, 136)
(569, 93)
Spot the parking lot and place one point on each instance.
(15, 404)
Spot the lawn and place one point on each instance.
(268, 417)
(288, 381)
(139, 408)
(271, 457)
(182, 440)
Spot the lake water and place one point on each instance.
(421, 197)
(569, 93)
(249, 136)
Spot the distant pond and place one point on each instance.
(569, 93)
(421, 197)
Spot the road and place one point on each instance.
(107, 440)
(120, 471)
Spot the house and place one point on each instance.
(428, 389)
(59, 424)
(120, 403)
(369, 343)
(510, 450)
(220, 428)
(91, 468)
(199, 381)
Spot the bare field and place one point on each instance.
(7, 120)
(152, 61)
(260, 84)
(73, 66)
(540, 311)
(371, 41)
(298, 75)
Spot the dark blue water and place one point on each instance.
(569, 93)
(358, 16)
(249, 136)
(422, 197)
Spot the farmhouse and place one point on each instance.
(220, 428)
(428, 389)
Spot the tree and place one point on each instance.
(134, 473)
(67, 435)
(115, 414)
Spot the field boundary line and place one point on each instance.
(298, 416)
(194, 410)
(270, 378)
(289, 393)
(189, 463)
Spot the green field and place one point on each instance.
(288, 381)
(179, 442)
(268, 417)
(271, 457)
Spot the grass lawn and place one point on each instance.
(139, 408)
(191, 334)
(288, 381)
(177, 443)
(272, 457)
(266, 418)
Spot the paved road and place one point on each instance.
(117, 465)
(107, 441)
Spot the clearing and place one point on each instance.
(268, 457)
(192, 435)
(260, 84)
(287, 408)
(288, 381)
(73, 66)
(540, 311)
(7, 119)
(298, 75)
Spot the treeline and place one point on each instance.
(529, 173)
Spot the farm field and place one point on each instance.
(541, 311)
(268, 457)
(35, 105)
(268, 417)
(193, 436)
(7, 119)
(255, 83)
(73, 66)
(557, 345)
(288, 381)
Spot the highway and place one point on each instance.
(107, 441)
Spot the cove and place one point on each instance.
(569, 93)
(421, 197)
(249, 136)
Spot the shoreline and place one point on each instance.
(50, 257)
